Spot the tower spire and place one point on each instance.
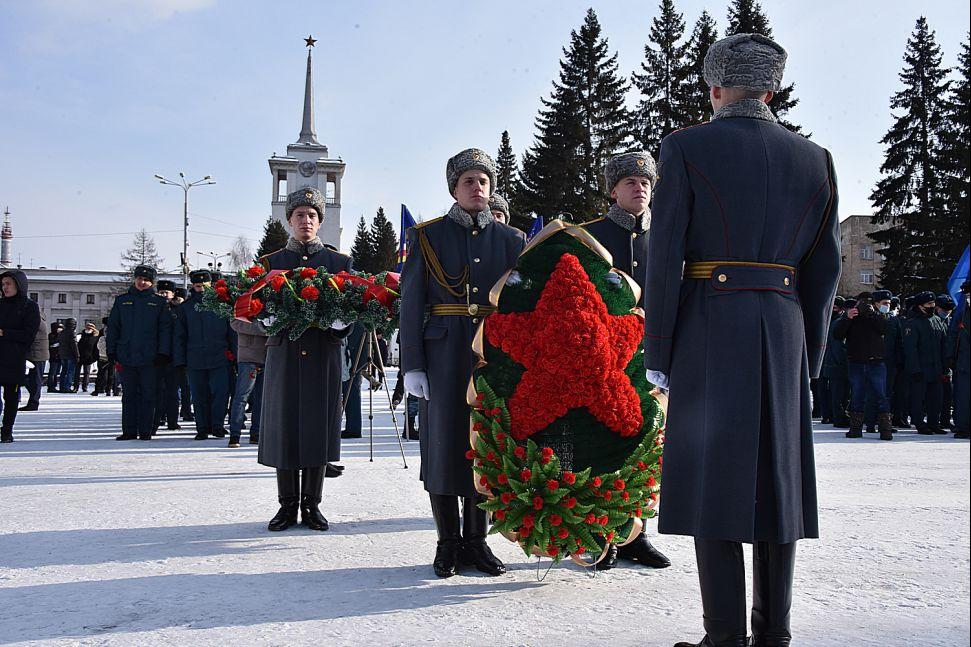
(6, 241)
(308, 135)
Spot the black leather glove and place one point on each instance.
(161, 359)
(917, 377)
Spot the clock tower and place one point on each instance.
(308, 163)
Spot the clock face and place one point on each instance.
(307, 168)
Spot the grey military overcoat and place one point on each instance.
(442, 347)
(739, 347)
(302, 383)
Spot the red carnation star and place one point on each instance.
(591, 518)
(570, 320)
(597, 481)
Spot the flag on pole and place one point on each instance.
(537, 226)
(406, 222)
(959, 276)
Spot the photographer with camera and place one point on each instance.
(863, 329)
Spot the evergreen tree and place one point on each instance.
(142, 251)
(911, 197)
(664, 81)
(507, 182)
(385, 241)
(697, 105)
(362, 251)
(275, 237)
(957, 157)
(747, 17)
(581, 125)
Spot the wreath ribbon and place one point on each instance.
(241, 308)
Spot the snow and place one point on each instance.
(165, 542)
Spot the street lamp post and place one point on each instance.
(185, 186)
(214, 264)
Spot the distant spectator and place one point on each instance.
(87, 354)
(38, 356)
(54, 349)
(924, 360)
(19, 321)
(68, 339)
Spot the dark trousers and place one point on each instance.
(868, 382)
(962, 401)
(138, 401)
(185, 394)
(105, 382)
(925, 403)
(53, 371)
(67, 373)
(210, 395)
(167, 396)
(947, 397)
(900, 400)
(35, 383)
(82, 375)
(352, 414)
(839, 388)
(825, 399)
(11, 399)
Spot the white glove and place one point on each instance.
(613, 278)
(339, 325)
(268, 321)
(514, 278)
(416, 384)
(658, 379)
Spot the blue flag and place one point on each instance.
(959, 276)
(537, 227)
(406, 223)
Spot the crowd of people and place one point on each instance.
(894, 364)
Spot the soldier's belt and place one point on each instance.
(461, 310)
(743, 275)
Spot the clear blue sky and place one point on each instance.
(98, 95)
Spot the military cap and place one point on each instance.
(894, 302)
(746, 61)
(471, 159)
(849, 303)
(145, 272)
(638, 163)
(924, 297)
(882, 295)
(944, 302)
(180, 293)
(499, 203)
(165, 284)
(200, 276)
(839, 301)
(307, 196)
(215, 275)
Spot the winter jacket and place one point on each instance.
(53, 345)
(38, 349)
(68, 340)
(251, 342)
(202, 339)
(88, 347)
(924, 342)
(863, 336)
(19, 321)
(139, 328)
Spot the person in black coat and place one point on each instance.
(742, 267)
(924, 341)
(168, 376)
(19, 321)
(944, 305)
(70, 355)
(54, 348)
(87, 355)
(139, 339)
(958, 357)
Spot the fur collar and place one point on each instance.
(309, 248)
(629, 221)
(464, 218)
(750, 108)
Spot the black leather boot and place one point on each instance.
(202, 433)
(643, 552)
(311, 489)
(773, 566)
(445, 511)
(609, 560)
(288, 493)
(856, 424)
(475, 551)
(721, 573)
(886, 429)
(6, 435)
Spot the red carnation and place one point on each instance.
(638, 512)
(608, 495)
(537, 503)
(503, 479)
(625, 496)
(491, 456)
(255, 307)
(603, 521)
(579, 550)
(520, 452)
(651, 482)
(525, 475)
(590, 518)
(221, 283)
(277, 282)
(524, 531)
(310, 293)
(570, 502)
(569, 478)
(477, 426)
(619, 484)
(563, 533)
(556, 519)
(596, 481)
(500, 514)
(528, 520)
(610, 536)
(255, 272)
(480, 397)
(547, 451)
(229, 355)
(483, 480)
(552, 550)
(470, 454)
(552, 485)
(641, 465)
(308, 273)
(500, 436)
(506, 498)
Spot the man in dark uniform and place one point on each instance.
(139, 340)
(205, 345)
(900, 401)
(945, 308)
(624, 232)
(924, 335)
(300, 429)
(167, 398)
(452, 264)
(959, 359)
(185, 396)
(499, 207)
(825, 391)
(749, 209)
(836, 369)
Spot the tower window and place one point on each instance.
(62, 298)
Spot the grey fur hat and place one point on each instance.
(467, 160)
(499, 203)
(746, 61)
(627, 164)
(307, 196)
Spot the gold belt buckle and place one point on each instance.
(473, 309)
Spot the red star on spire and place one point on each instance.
(574, 352)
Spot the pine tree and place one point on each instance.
(507, 182)
(957, 157)
(911, 197)
(697, 106)
(747, 17)
(581, 125)
(362, 251)
(142, 251)
(663, 82)
(385, 244)
(275, 237)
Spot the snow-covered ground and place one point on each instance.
(165, 542)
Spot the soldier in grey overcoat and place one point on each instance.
(302, 383)
(742, 267)
(453, 262)
(623, 231)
